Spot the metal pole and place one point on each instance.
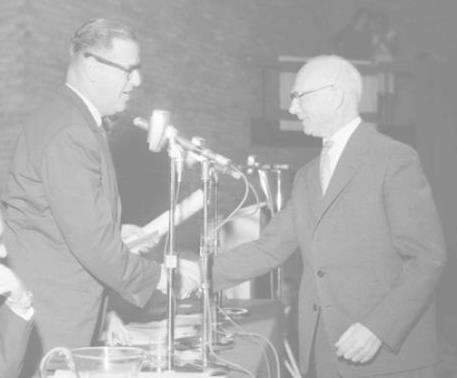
(204, 257)
(171, 258)
(216, 245)
(278, 207)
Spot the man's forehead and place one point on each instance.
(308, 80)
(124, 48)
(311, 77)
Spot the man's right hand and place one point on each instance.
(190, 275)
(19, 300)
(189, 278)
(10, 285)
(116, 332)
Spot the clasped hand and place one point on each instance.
(189, 278)
(10, 285)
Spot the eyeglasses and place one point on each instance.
(127, 70)
(298, 95)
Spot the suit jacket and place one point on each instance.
(372, 252)
(14, 335)
(62, 214)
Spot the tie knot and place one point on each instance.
(327, 144)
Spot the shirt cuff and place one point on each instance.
(25, 314)
(23, 306)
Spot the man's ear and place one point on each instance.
(338, 97)
(91, 68)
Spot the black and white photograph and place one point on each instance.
(228, 188)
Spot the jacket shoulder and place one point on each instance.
(384, 145)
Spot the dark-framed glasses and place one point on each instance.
(298, 95)
(127, 70)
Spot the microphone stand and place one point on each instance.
(278, 206)
(205, 264)
(171, 256)
(216, 245)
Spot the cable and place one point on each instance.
(262, 348)
(210, 346)
(251, 334)
(267, 342)
(246, 192)
(257, 199)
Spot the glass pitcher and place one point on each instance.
(98, 362)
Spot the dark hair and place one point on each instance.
(99, 33)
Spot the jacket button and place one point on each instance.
(320, 273)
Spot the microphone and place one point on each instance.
(159, 131)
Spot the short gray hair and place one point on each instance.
(99, 33)
(352, 79)
(341, 71)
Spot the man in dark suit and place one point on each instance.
(371, 243)
(16, 315)
(62, 208)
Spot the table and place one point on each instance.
(265, 318)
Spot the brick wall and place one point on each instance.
(13, 31)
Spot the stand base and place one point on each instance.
(178, 374)
(194, 343)
(163, 374)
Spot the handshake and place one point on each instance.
(188, 271)
(189, 278)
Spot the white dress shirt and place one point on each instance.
(339, 141)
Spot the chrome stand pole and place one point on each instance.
(205, 257)
(171, 256)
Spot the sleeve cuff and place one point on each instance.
(22, 307)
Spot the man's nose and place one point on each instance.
(3, 252)
(135, 78)
(293, 107)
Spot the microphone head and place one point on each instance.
(157, 129)
(251, 161)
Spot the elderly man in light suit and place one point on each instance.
(363, 216)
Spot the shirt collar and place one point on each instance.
(92, 109)
(341, 137)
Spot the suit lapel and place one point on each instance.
(108, 173)
(315, 198)
(348, 165)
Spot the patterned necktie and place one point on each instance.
(325, 167)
